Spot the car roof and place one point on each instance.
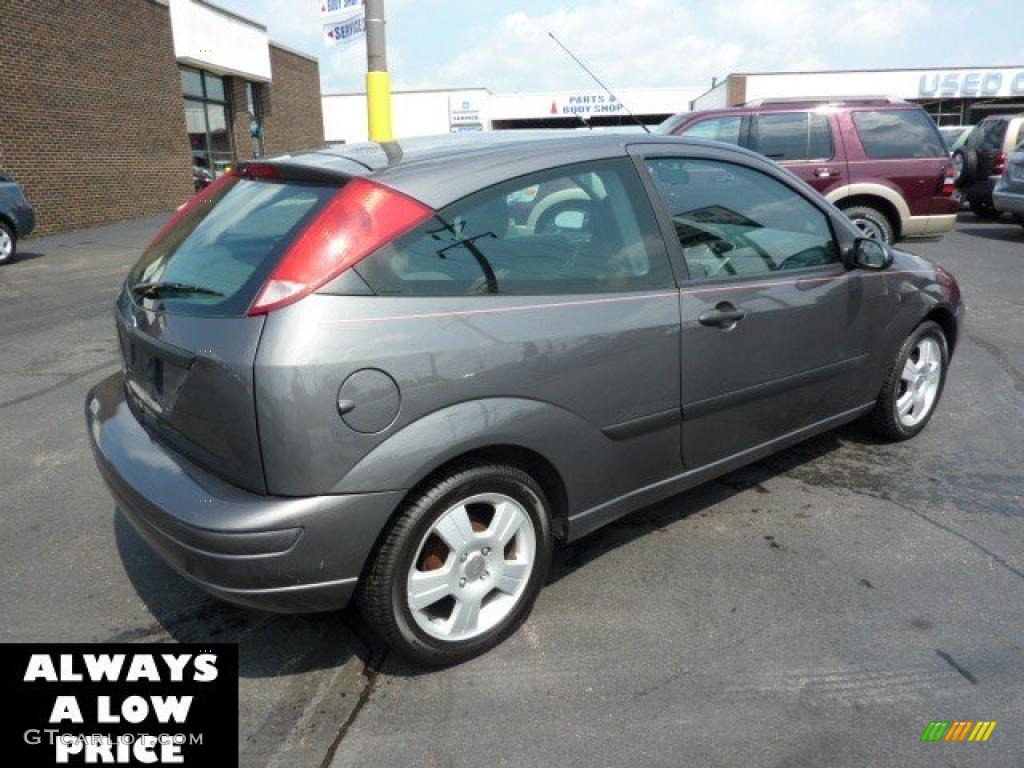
(439, 170)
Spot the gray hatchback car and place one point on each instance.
(401, 373)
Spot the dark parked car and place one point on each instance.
(17, 217)
(1008, 195)
(883, 162)
(375, 374)
(982, 159)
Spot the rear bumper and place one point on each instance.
(280, 554)
(1008, 201)
(925, 226)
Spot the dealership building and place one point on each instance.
(425, 112)
(108, 107)
(952, 96)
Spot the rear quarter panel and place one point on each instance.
(917, 180)
(542, 373)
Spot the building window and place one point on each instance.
(207, 115)
(255, 110)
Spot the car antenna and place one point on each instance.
(598, 81)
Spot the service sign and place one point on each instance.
(345, 30)
(124, 704)
(464, 110)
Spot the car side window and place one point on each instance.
(734, 222)
(585, 228)
(725, 129)
(792, 136)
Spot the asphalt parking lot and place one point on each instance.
(817, 608)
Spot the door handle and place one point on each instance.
(826, 173)
(724, 316)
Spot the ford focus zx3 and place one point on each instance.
(400, 373)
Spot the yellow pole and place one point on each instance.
(378, 106)
(378, 81)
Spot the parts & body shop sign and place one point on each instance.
(145, 704)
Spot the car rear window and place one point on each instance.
(898, 133)
(228, 245)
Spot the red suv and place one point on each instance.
(883, 162)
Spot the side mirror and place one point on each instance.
(870, 254)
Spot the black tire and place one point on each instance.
(6, 229)
(872, 221)
(967, 161)
(382, 592)
(984, 209)
(884, 420)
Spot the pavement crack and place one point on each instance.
(961, 670)
(996, 558)
(999, 560)
(1002, 359)
(371, 671)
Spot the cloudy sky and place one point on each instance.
(636, 43)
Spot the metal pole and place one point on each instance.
(378, 81)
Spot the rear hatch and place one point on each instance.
(188, 339)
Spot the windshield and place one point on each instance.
(217, 257)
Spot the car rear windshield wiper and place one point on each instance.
(153, 290)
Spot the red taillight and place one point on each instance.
(361, 218)
(999, 164)
(205, 196)
(949, 180)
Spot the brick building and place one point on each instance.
(109, 107)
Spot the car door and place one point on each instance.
(774, 327)
(802, 142)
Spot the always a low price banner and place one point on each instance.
(127, 704)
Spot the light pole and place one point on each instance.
(378, 81)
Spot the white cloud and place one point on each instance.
(664, 42)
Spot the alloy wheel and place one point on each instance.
(919, 382)
(6, 245)
(472, 567)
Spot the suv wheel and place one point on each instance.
(462, 565)
(8, 243)
(914, 385)
(871, 222)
